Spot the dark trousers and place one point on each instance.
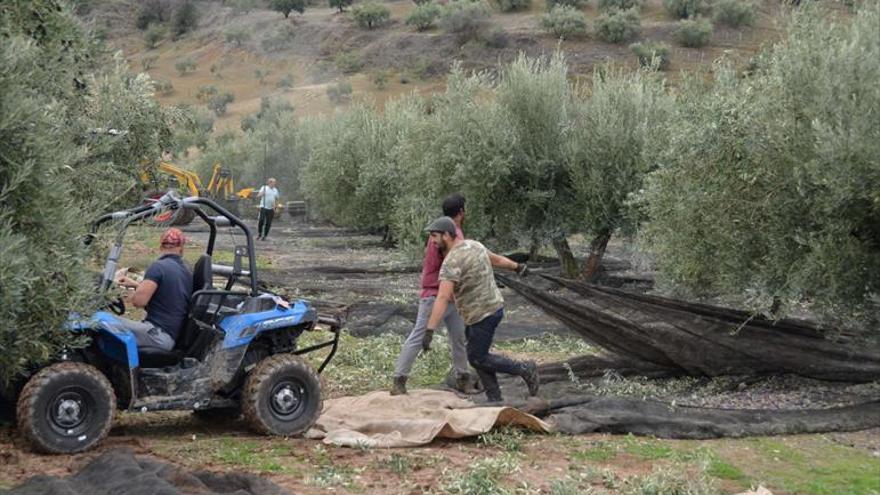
(479, 340)
(265, 222)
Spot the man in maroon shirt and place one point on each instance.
(417, 341)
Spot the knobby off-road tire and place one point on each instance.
(66, 408)
(282, 396)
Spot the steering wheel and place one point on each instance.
(117, 307)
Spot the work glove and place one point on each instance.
(426, 340)
(522, 269)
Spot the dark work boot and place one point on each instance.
(462, 380)
(531, 377)
(490, 385)
(399, 386)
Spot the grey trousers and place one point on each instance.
(149, 335)
(413, 344)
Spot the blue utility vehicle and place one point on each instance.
(236, 355)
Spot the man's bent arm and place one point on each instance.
(502, 261)
(144, 293)
(444, 295)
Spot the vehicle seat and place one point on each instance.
(203, 277)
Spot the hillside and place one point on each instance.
(322, 47)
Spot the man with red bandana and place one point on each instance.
(165, 292)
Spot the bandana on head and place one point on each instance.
(172, 237)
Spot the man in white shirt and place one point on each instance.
(268, 196)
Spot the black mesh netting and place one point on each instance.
(660, 337)
(120, 472)
(700, 339)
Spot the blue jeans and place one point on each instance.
(479, 340)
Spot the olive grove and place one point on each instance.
(758, 186)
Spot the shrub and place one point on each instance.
(185, 66)
(261, 75)
(218, 103)
(618, 26)
(693, 33)
(423, 16)
(466, 18)
(237, 36)
(349, 62)
(154, 34)
(148, 62)
(380, 78)
(734, 13)
(205, 93)
(153, 12)
(242, 6)
(422, 2)
(370, 14)
(186, 17)
(570, 3)
(287, 6)
(279, 39)
(651, 53)
(163, 87)
(682, 9)
(565, 22)
(619, 4)
(340, 5)
(497, 38)
(513, 5)
(285, 82)
(339, 92)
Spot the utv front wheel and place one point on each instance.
(282, 396)
(66, 408)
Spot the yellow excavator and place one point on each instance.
(220, 188)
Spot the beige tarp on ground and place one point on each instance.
(381, 420)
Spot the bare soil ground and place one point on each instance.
(413, 61)
(507, 461)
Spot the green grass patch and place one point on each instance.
(367, 364)
(548, 347)
(484, 477)
(649, 449)
(722, 470)
(398, 464)
(507, 438)
(257, 455)
(603, 451)
(814, 466)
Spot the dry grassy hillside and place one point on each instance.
(322, 47)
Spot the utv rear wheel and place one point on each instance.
(66, 408)
(282, 396)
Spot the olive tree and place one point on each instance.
(614, 134)
(73, 127)
(285, 7)
(768, 190)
